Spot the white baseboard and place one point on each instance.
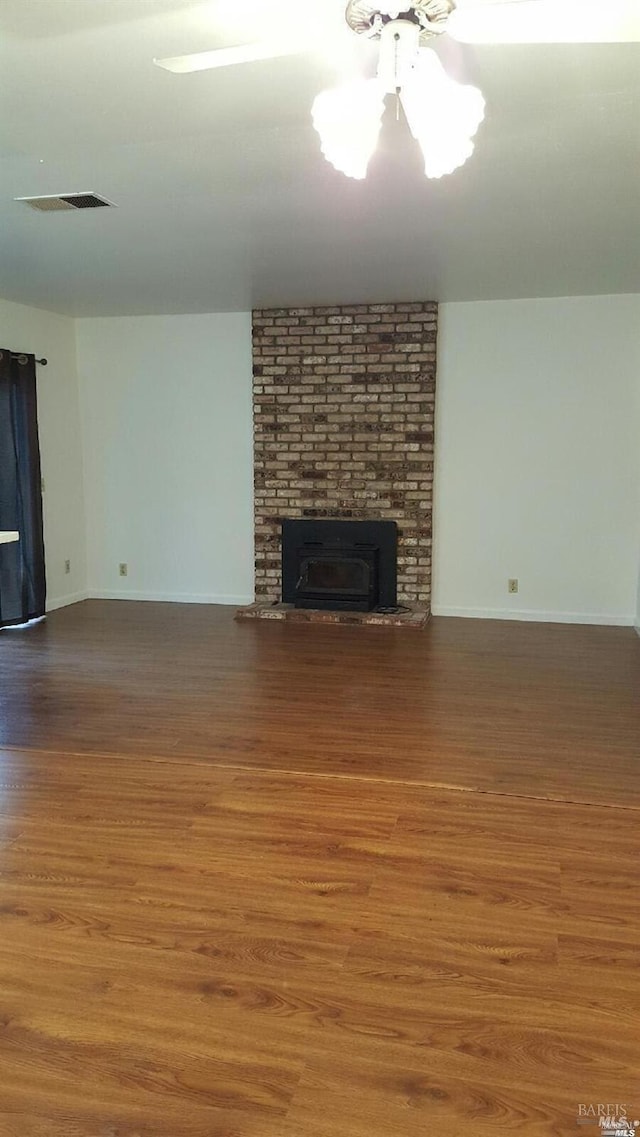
(64, 601)
(534, 616)
(522, 615)
(169, 597)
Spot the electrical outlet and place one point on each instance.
(513, 585)
(123, 568)
(67, 567)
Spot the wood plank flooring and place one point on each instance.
(207, 930)
(535, 709)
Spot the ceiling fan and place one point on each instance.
(443, 115)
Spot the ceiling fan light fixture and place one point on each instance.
(443, 115)
(348, 120)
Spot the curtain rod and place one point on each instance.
(23, 358)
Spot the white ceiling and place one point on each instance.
(225, 201)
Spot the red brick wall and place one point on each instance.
(343, 427)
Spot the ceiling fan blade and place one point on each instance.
(546, 21)
(230, 56)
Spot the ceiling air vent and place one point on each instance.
(55, 202)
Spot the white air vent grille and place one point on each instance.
(46, 204)
(55, 202)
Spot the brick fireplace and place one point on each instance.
(344, 428)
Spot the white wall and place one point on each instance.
(53, 336)
(537, 459)
(167, 429)
(637, 612)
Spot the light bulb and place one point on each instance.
(348, 119)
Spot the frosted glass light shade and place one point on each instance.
(348, 120)
(443, 115)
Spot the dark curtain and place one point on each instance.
(22, 574)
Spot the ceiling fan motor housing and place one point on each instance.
(368, 17)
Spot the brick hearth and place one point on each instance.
(343, 426)
(409, 616)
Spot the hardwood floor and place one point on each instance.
(234, 902)
(535, 709)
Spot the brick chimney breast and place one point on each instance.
(344, 402)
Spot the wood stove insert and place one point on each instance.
(340, 565)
